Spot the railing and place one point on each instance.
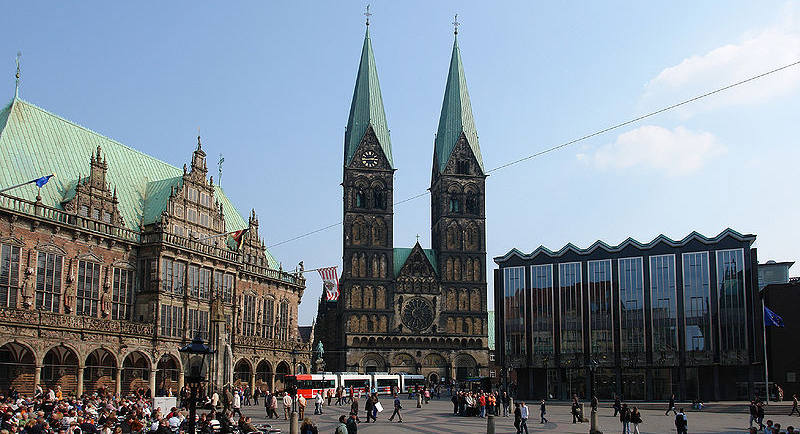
(258, 341)
(28, 317)
(36, 210)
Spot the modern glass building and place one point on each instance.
(642, 321)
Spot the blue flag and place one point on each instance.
(40, 182)
(771, 318)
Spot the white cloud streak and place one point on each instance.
(674, 152)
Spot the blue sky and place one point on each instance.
(269, 84)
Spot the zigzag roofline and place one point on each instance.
(599, 244)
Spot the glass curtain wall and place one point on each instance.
(514, 306)
(663, 308)
(542, 309)
(569, 281)
(697, 306)
(631, 300)
(601, 317)
(731, 300)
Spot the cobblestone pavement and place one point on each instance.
(437, 417)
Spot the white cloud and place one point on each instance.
(755, 53)
(675, 152)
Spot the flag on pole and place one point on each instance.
(40, 182)
(330, 281)
(236, 238)
(772, 319)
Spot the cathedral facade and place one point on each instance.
(414, 309)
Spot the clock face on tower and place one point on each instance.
(369, 159)
(417, 314)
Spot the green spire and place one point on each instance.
(456, 117)
(367, 108)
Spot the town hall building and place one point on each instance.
(410, 309)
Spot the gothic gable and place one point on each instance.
(369, 154)
(93, 197)
(462, 160)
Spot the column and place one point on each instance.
(252, 381)
(79, 389)
(272, 381)
(180, 382)
(118, 382)
(153, 382)
(37, 376)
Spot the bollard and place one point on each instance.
(293, 425)
(595, 424)
(490, 424)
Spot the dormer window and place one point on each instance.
(192, 193)
(462, 167)
(84, 211)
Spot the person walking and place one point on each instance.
(318, 401)
(506, 400)
(681, 422)
(760, 415)
(273, 405)
(267, 401)
(753, 412)
(397, 408)
(625, 418)
(575, 410)
(482, 405)
(308, 427)
(301, 406)
(287, 405)
(352, 423)
(617, 405)
(523, 423)
(671, 405)
(237, 404)
(354, 409)
(517, 417)
(454, 400)
(542, 412)
(368, 407)
(794, 406)
(636, 419)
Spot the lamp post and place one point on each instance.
(595, 424)
(195, 362)
(293, 422)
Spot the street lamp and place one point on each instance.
(293, 422)
(595, 424)
(195, 361)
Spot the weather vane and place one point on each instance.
(16, 84)
(219, 163)
(456, 24)
(367, 14)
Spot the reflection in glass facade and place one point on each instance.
(697, 301)
(569, 293)
(600, 307)
(663, 303)
(731, 299)
(631, 299)
(514, 303)
(542, 308)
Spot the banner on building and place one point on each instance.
(330, 282)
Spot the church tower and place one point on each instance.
(458, 229)
(368, 215)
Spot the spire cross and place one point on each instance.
(456, 24)
(418, 238)
(367, 14)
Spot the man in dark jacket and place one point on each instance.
(681, 423)
(352, 423)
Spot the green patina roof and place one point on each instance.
(490, 330)
(35, 142)
(401, 254)
(456, 117)
(367, 108)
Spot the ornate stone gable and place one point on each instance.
(93, 196)
(462, 160)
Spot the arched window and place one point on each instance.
(360, 234)
(361, 198)
(379, 198)
(455, 204)
(283, 324)
(472, 238)
(462, 167)
(471, 205)
(379, 233)
(453, 237)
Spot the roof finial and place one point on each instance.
(16, 84)
(417, 238)
(219, 164)
(367, 14)
(199, 145)
(455, 25)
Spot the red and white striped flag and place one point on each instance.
(330, 281)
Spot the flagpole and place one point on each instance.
(317, 269)
(764, 329)
(23, 184)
